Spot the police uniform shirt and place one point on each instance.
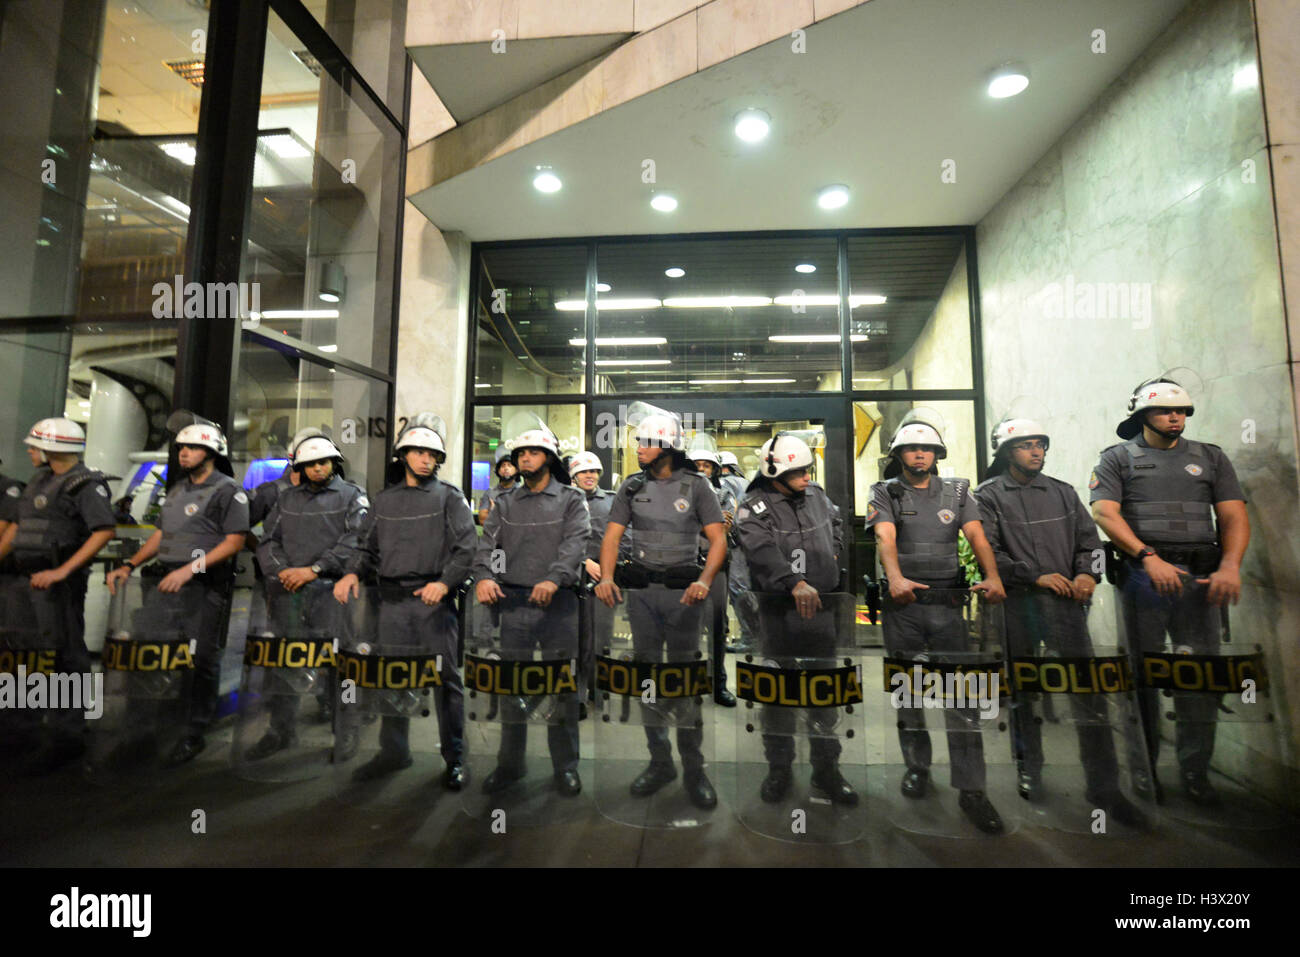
(47, 517)
(265, 497)
(665, 516)
(1039, 528)
(926, 526)
(599, 502)
(417, 533)
(542, 535)
(770, 526)
(737, 484)
(491, 495)
(1193, 474)
(11, 490)
(198, 516)
(310, 525)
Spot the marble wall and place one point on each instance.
(1142, 242)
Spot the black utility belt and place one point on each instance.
(633, 575)
(28, 563)
(1199, 559)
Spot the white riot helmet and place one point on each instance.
(315, 449)
(729, 459)
(662, 430)
(918, 433)
(704, 448)
(420, 437)
(301, 436)
(783, 453)
(544, 439)
(56, 435)
(1013, 430)
(1159, 393)
(584, 462)
(207, 435)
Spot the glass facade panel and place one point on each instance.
(366, 32)
(323, 174)
(494, 425)
(530, 320)
(703, 315)
(279, 393)
(875, 424)
(910, 312)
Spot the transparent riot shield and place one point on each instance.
(654, 712)
(1075, 731)
(801, 760)
(288, 690)
(400, 697)
(944, 705)
(1199, 684)
(45, 691)
(521, 732)
(148, 660)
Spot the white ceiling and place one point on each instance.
(883, 95)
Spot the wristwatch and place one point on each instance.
(1146, 552)
(316, 569)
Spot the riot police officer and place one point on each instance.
(738, 584)
(419, 538)
(1046, 546)
(916, 516)
(785, 512)
(10, 491)
(266, 494)
(586, 470)
(203, 524)
(539, 531)
(63, 518)
(311, 535)
(709, 464)
(506, 473)
(666, 506)
(1157, 496)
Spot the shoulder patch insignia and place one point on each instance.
(872, 511)
(14, 491)
(1191, 468)
(760, 508)
(363, 501)
(1093, 481)
(101, 491)
(241, 498)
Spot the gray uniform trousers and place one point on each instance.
(783, 636)
(909, 630)
(1192, 622)
(554, 630)
(661, 622)
(423, 629)
(1033, 615)
(52, 618)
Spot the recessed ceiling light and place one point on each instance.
(833, 197)
(663, 202)
(623, 341)
(1007, 81)
(602, 287)
(752, 125)
(805, 267)
(546, 182)
(674, 272)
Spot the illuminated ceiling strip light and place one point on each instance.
(716, 302)
(577, 305)
(624, 341)
(830, 338)
(633, 362)
(831, 300)
(296, 314)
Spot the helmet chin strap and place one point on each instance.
(786, 489)
(413, 473)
